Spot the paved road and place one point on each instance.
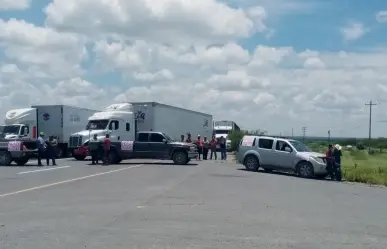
(201, 205)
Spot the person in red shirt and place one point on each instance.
(330, 161)
(213, 144)
(199, 144)
(106, 148)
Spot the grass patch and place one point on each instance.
(358, 166)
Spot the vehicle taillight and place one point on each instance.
(34, 132)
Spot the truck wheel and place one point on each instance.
(79, 158)
(21, 162)
(60, 153)
(180, 158)
(5, 158)
(114, 158)
(251, 163)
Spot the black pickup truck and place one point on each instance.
(152, 145)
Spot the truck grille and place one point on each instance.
(75, 141)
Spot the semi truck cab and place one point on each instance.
(117, 120)
(19, 123)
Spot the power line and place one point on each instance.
(370, 104)
(303, 134)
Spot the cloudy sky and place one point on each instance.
(266, 64)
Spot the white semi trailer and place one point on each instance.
(59, 121)
(123, 121)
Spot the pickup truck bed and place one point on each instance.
(152, 145)
(18, 151)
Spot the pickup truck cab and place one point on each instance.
(152, 145)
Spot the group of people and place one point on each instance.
(333, 158)
(95, 149)
(204, 146)
(46, 148)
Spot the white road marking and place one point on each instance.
(69, 181)
(45, 169)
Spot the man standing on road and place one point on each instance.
(106, 148)
(206, 146)
(213, 144)
(222, 145)
(189, 139)
(41, 144)
(51, 145)
(94, 149)
(337, 161)
(199, 144)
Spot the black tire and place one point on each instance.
(113, 157)
(79, 158)
(305, 170)
(21, 162)
(251, 163)
(5, 158)
(60, 153)
(321, 177)
(180, 158)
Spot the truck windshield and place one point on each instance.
(168, 137)
(9, 129)
(300, 147)
(222, 131)
(97, 124)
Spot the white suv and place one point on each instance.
(272, 153)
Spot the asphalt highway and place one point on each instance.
(206, 204)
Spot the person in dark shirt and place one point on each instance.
(330, 161)
(189, 139)
(106, 148)
(51, 145)
(337, 154)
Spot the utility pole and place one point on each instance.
(370, 104)
(329, 136)
(303, 134)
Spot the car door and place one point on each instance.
(158, 148)
(141, 145)
(265, 150)
(282, 155)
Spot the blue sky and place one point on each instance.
(316, 27)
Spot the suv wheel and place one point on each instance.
(251, 163)
(305, 170)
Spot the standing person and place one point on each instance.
(206, 147)
(51, 150)
(222, 145)
(213, 144)
(330, 162)
(41, 144)
(182, 138)
(106, 148)
(337, 154)
(199, 144)
(94, 149)
(189, 139)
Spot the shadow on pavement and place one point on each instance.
(288, 174)
(157, 163)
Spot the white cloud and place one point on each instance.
(172, 21)
(186, 53)
(381, 16)
(14, 4)
(353, 31)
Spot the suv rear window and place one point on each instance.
(265, 143)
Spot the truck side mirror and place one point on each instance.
(288, 149)
(164, 140)
(25, 131)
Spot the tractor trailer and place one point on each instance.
(123, 121)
